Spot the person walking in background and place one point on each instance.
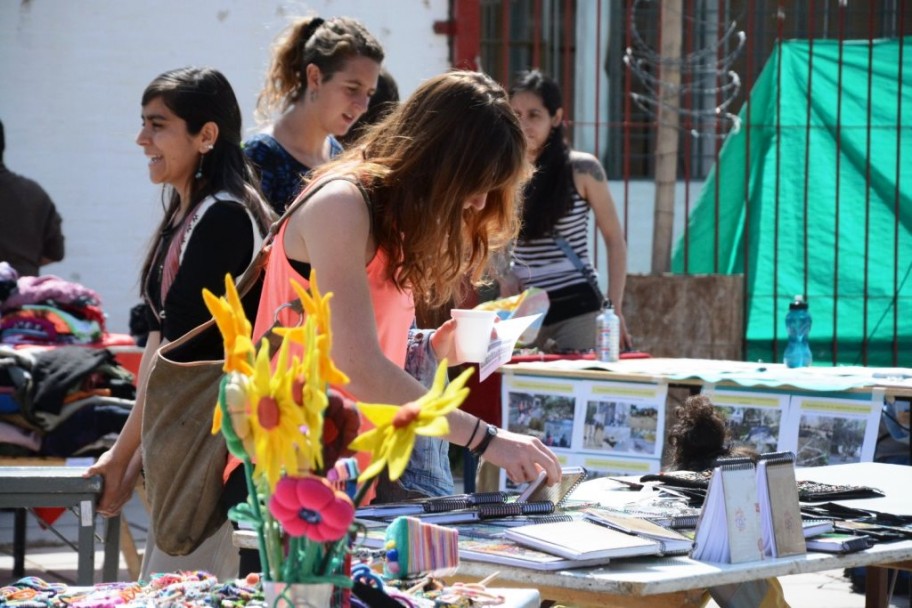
(421, 202)
(213, 223)
(30, 227)
(320, 81)
(383, 101)
(551, 252)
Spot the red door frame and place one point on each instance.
(464, 32)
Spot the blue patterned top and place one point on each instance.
(280, 173)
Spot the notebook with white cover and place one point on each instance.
(672, 542)
(508, 553)
(780, 513)
(581, 539)
(729, 527)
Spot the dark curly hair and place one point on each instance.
(699, 436)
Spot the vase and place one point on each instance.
(297, 595)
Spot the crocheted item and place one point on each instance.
(415, 548)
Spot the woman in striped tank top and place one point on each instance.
(551, 252)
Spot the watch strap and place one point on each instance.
(489, 434)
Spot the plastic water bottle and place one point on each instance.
(798, 325)
(607, 334)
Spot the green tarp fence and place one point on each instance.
(872, 223)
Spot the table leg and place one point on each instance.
(85, 574)
(876, 587)
(112, 549)
(19, 543)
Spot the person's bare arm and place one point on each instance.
(332, 232)
(591, 183)
(120, 465)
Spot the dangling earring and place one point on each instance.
(313, 95)
(199, 170)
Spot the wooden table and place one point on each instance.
(680, 581)
(675, 581)
(24, 487)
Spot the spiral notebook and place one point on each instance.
(571, 477)
(487, 511)
(780, 513)
(729, 527)
(582, 540)
(437, 504)
(670, 541)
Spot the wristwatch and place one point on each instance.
(489, 434)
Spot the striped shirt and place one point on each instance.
(541, 263)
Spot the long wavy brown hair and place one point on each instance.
(455, 137)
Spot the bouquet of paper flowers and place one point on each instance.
(285, 426)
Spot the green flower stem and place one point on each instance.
(255, 504)
(311, 556)
(291, 563)
(274, 542)
(336, 548)
(362, 491)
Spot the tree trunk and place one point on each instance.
(667, 136)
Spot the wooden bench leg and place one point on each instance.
(128, 549)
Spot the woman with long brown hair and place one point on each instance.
(424, 200)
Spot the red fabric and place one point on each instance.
(48, 515)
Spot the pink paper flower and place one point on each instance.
(310, 507)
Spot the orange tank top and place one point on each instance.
(394, 310)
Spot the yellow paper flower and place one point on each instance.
(275, 419)
(234, 326)
(392, 440)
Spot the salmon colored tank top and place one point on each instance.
(394, 310)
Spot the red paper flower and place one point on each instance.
(310, 507)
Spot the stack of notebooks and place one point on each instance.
(537, 500)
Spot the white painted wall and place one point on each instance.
(71, 76)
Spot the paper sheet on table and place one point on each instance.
(500, 349)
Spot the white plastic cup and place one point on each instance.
(473, 333)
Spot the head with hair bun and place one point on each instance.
(700, 436)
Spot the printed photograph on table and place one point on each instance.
(625, 418)
(542, 408)
(754, 419)
(823, 430)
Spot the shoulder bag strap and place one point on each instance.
(577, 262)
